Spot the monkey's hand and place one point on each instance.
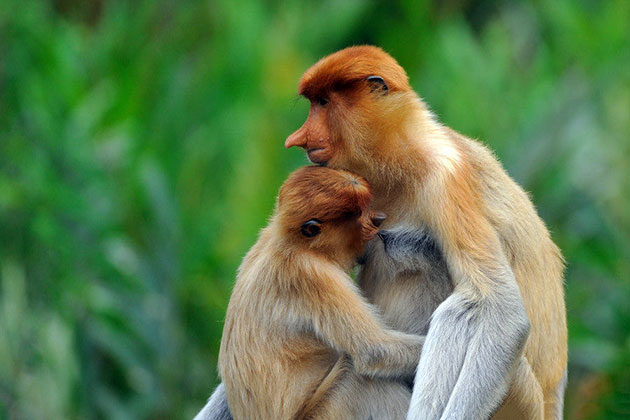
(397, 356)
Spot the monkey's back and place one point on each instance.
(268, 363)
(536, 262)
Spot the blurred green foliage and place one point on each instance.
(141, 147)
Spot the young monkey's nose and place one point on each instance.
(378, 219)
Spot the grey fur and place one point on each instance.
(560, 396)
(467, 365)
(216, 408)
(412, 250)
(464, 372)
(405, 255)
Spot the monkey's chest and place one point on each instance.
(406, 300)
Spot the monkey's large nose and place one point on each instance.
(378, 219)
(296, 139)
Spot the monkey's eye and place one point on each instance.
(322, 101)
(311, 228)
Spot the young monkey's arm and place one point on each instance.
(347, 322)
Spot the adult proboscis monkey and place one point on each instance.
(496, 344)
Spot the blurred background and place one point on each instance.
(141, 148)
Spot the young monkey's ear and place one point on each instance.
(377, 84)
(311, 228)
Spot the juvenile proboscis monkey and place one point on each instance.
(496, 342)
(299, 341)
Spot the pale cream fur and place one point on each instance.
(495, 216)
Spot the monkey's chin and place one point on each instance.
(318, 156)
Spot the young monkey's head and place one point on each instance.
(327, 211)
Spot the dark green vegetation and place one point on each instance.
(141, 148)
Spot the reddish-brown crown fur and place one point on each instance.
(317, 192)
(350, 65)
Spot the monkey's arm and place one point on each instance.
(470, 350)
(342, 318)
(477, 334)
(216, 408)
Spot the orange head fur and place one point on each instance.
(350, 66)
(327, 210)
(360, 99)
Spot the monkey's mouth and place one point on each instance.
(318, 155)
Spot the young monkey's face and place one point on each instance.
(343, 237)
(328, 211)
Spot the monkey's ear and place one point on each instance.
(377, 84)
(311, 228)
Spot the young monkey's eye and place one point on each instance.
(311, 228)
(322, 101)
